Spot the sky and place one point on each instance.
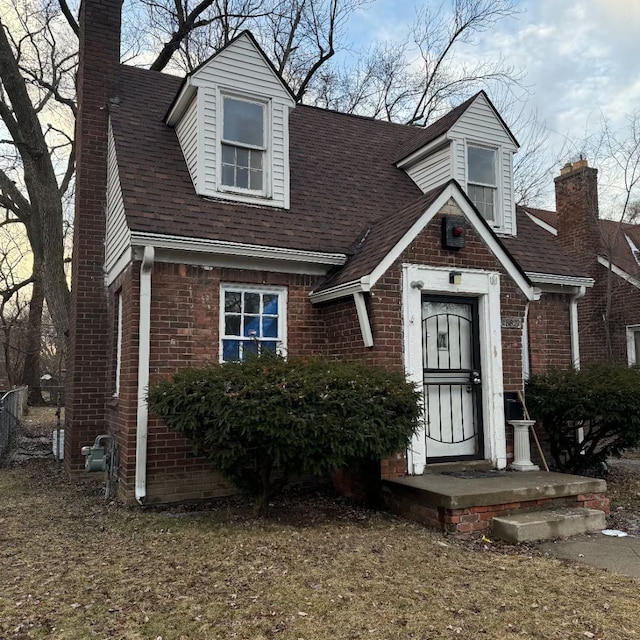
(580, 60)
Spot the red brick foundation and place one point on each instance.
(478, 518)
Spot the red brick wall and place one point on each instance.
(603, 324)
(549, 332)
(87, 371)
(185, 332)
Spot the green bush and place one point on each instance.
(602, 400)
(260, 420)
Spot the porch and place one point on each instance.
(466, 498)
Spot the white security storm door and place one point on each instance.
(452, 378)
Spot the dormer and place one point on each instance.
(231, 117)
(473, 145)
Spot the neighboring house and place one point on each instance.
(609, 252)
(214, 212)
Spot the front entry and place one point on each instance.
(452, 378)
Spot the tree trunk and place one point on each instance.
(30, 374)
(261, 504)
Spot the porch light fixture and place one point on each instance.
(455, 277)
(417, 284)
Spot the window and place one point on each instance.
(243, 144)
(252, 318)
(482, 183)
(633, 345)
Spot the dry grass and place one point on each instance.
(72, 566)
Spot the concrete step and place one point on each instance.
(547, 525)
(467, 465)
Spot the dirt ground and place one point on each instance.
(76, 566)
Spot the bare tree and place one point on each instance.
(421, 77)
(38, 59)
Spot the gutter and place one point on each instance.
(144, 329)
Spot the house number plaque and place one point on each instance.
(511, 323)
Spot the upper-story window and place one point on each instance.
(482, 182)
(243, 144)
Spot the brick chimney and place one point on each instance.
(87, 364)
(578, 215)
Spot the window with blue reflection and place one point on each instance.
(251, 322)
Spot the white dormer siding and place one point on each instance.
(117, 235)
(187, 132)
(433, 170)
(239, 72)
(479, 126)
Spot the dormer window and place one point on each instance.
(243, 145)
(482, 185)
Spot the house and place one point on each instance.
(609, 252)
(213, 212)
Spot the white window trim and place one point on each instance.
(281, 292)
(498, 222)
(118, 344)
(266, 191)
(632, 356)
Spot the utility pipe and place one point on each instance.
(144, 329)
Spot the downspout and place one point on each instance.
(363, 319)
(573, 322)
(575, 339)
(526, 361)
(144, 331)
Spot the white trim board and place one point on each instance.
(541, 223)
(619, 272)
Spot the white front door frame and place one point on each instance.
(485, 286)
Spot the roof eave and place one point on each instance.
(424, 151)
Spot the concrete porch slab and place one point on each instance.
(450, 492)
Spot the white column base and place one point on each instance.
(522, 449)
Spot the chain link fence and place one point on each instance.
(12, 406)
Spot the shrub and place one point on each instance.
(602, 400)
(262, 419)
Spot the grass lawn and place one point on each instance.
(74, 566)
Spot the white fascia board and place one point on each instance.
(341, 291)
(554, 279)
(182, 101)
(235, 249)
(619, 272)
(452, 191)
(424, 151)
(541, 223)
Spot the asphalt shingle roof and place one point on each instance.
(343, 182)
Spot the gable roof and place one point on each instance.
(342, 179)
(243, 34)
(383, 242)
(444, 124)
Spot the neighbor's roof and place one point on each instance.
(343, 179)
(613, 241)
